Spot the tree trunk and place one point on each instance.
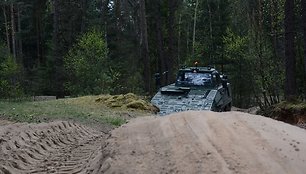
(273, 28)
(118, 17)
(172, 63)
(144, 46)
(58, 62)
(160, 41)
(304, 36)
(290, 83)
(20, 49)
(179, 41)
(104, 17)
(259, 43)
(38, 40)
(210, 32)
(187, 36)
(83, 18)
(13, 31)
(39, 8)
(6, 29)
(194, 26)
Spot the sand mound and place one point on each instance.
(127, 101)
(59, 147)
(207, 142)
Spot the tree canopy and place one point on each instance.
(79, 47)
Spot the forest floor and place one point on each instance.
(187, 142)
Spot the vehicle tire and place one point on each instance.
(228, 107)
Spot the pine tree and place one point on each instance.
(290, 83)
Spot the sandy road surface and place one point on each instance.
(207, 142)
(189, 142)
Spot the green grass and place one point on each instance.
(83, 109)
(115, 121)
(293, 112)
(297, 106)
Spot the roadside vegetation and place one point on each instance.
(117, 47)
(293, 112)
(87, 109)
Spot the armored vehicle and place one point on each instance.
(196, 88)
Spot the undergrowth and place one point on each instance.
(290, 112)
(82, 109)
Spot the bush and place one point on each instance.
(9, 75)
(86, 65)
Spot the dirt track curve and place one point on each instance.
(189, 142)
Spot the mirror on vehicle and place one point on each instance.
(224, 81)
(157, 80)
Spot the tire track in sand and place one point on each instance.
(58, 147)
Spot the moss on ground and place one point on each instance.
(127, 101)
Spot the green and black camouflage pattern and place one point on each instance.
(179, 97)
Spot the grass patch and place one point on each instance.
(82, 109)
(289, 112)
(294, 106)
(116, 121)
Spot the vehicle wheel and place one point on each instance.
(228, 107)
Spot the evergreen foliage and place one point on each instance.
(9, 75)
(86, 66)
(245, 39)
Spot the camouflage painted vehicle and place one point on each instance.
(196, 88)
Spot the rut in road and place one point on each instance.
(59, 147)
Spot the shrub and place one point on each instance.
(9, 75)
(86, 65)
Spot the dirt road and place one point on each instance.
(189, 142)
(208, 142)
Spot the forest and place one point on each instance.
(89, 47)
